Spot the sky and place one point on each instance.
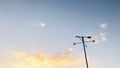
(41, 33)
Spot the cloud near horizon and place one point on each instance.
(58, 60)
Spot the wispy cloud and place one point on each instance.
(103, 25)
(19, 54)
(99, 38)
(103, 37)
(42, 24)
(58, 60)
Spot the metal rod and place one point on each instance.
(84, 46)
(85, 52)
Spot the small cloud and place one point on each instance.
(99, 38)
(94, 37)
(104, 26)
(42, 24)
(103, 37)
(19, 54)
(68, 53)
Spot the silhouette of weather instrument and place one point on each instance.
(84, 45)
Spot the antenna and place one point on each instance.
(84, 46)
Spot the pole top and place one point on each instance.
(89, 37)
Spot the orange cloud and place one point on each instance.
(19, 54)
(58, 60)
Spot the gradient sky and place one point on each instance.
(21, 29)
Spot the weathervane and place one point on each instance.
(84, 46)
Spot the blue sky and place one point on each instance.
(20, 28)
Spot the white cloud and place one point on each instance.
(94, 37)
(99, 38)
(42, 24)
(103, 37)
(104, 26)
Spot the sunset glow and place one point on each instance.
(43, 61)
(41, 33)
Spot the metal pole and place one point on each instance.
(85, 52)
